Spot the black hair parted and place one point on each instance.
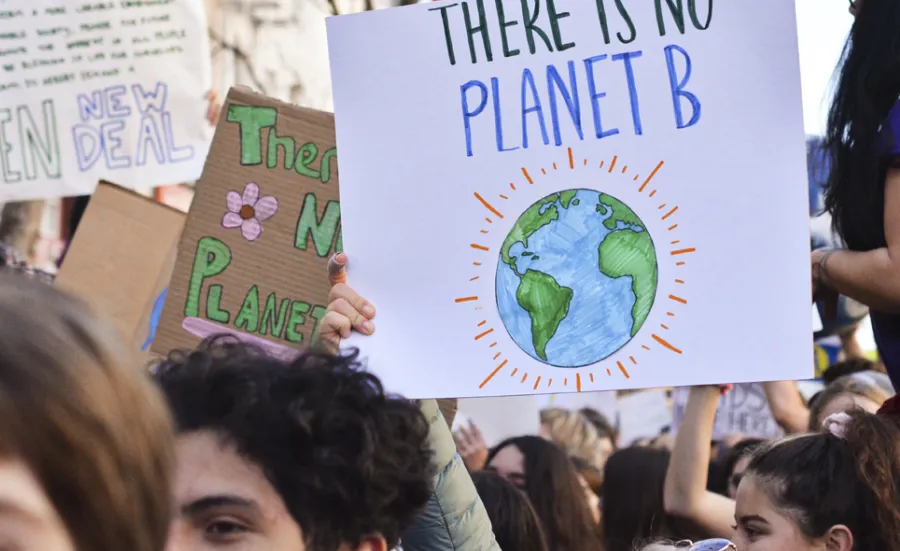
(348, 460)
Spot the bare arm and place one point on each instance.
(787, 406)
(871, 277)
(685, 490)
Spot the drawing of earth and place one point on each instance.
(576, 278)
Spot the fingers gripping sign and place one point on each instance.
(347, 311)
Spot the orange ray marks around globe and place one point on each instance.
(683, 251)
(681, 281)
(608, 373)
(488, 206)
(525, 376)
(479, 247)
(485, 231)
(466, 299)
(488, 220)
(544, 171)
(663, 342)
(494, 372)
(652, 174)
(679, 263)
(612, 164)
(514, 371)
(549, 382)
(571, 160)
(652, 193)
(632, 360)
(476, 264)
(537, 382)
(512, 186)
(636, 176)
(670, 314)
(664, 326)
(554, 166)
(493, 344)
(624, 169)
(585, 162)
(503, 196)
(623, 370)
(566, 382)
(601, 164)
(645, 347)
(578, 381)
(672, 227)
(527, 176)
(480, 335)
(481, 323)
(497, 355)
(670, 213)
(677, 241)
(661, 206)
(592, 377)
(474, 278)
(678, 299)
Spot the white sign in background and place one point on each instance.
(745, 410)
(699, 133)
(95, 89)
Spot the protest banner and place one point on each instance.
(580, 188)
(95, 89)
(499, 418)
(645, 414)
(121, 259)
(745, 411)
(264, 220)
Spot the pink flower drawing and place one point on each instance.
(247, 211)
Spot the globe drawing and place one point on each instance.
(576, 278)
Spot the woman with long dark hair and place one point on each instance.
(863, 192)
(549, 479)
(516, 525)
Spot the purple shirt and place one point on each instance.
(887, 326)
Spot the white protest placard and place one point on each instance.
(603, 402)
(499, 418)
(96, 90)
(745, 410)
(593, 195)
(643, 414)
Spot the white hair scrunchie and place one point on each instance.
(836, 424)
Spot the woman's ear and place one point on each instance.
(838, 538)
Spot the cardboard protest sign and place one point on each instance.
(745, 410)
(581, 189)
(121, 258)
(99, 89)
(264, 221)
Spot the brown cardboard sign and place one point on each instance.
(121, 259)
(264, 221)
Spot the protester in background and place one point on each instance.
(604, 428)
(471, 446)
(844, 394)
(633, 498)
(516, 525)
(733, 465)
(290, 456)
(85, 440)
(576, 435)
(863, 193)
(549, 479)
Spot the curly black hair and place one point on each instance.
(348, 460)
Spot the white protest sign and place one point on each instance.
(100, 89)
(604, 402)
(580, 187)
(745, 410)
(643, 414)
(499, 418)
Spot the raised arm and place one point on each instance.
(788, 408)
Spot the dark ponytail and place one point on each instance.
(822, 480)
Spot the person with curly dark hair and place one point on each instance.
(863, 190)
(287, 456)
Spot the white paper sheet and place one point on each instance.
(430, 191)
(745, 410)
(95, 89)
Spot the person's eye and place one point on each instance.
(224, 530)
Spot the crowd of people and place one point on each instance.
(226, 447)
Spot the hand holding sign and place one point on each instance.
(346, 309)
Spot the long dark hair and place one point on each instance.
(868, 86)
(822, 480)
(633, 507)
(515, 524)
(552, 486)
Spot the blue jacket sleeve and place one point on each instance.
(454, 519)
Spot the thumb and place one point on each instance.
(337, 269)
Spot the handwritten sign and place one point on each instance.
(264, 221)
(96, 89)
(580, 187)
(745, 410)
